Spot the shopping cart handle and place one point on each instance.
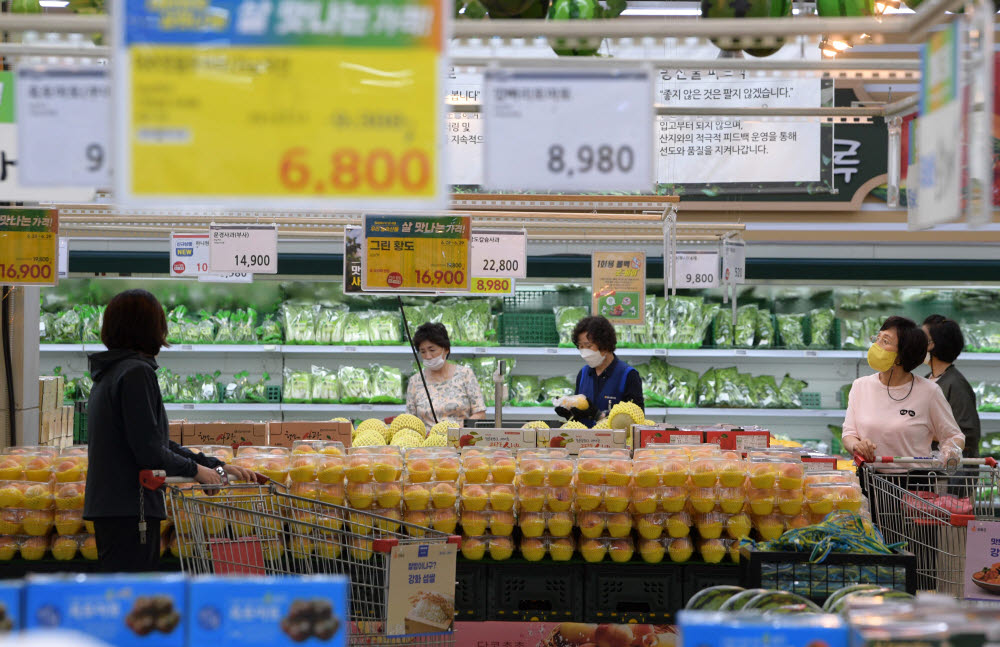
(989, 460)
(152, 479)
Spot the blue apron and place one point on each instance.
(610, 395)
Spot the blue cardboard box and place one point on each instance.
(122, 610)
(735, 629)
(10, 606)
(276, 612)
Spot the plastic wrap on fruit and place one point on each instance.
(573, 407)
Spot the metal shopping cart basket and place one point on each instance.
(928, 505)
(262, 529)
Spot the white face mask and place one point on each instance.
(593, 358)
(435, 363)
(927, 360)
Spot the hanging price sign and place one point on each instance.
(569, 130)
(734, 262)
(417, 253)
(243, 249)
(28, 246)
(697, 269)
(491, 286)
(500, 254)
(342, 98)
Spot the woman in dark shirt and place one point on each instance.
(945, 343)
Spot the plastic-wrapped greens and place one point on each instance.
(203, 330)
(849, 299)
(224, 332)
(728, 390)
(299, 322)
(45, 330)
(483, 368)
(724, 329)
(178, 323)
(355, 385)
(525, 390)
(66, 327)
(556, 387)
(766, 394)
(451, 318)
(792, 331)
(356, 328)
(476, 326)
(257, 391)
(329, 328)
(167, 379)
(853, 334)
(983, 336)
(987, 396)
(566, 320)
(656, 383)
(269, 331)
(746, 326)
(236, 390)
(385, 328)
(386, 385)
(91, 319)
(821, 322)
(688, 318)
(325, 386)
(202, 388)
(69, 390)
(297, 386)
(706, 389)
(790, 392)
(765, 329)
(683, 387)
(85, 384)
(244, 322)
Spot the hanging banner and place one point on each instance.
(619, 287)
(28, 246)
(417, 253)
(421, 596)
(281, 103)
(982, 561)
(354, 258)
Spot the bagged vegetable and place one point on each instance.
(257, 391)
(688, 319)
(525, 390)
(45, 329)
(224, 327)
(654, 381)
(356, 328)
(297, 386)
(385, 328)
(243, 323)
(724, 329)
(325, 386)
(853, 334)
(556, 387)
(386, 385)
(169, 385)
(765, 329)
(269, 331)
(203, 330)
(355, 385)
(203, 388)
(236, 390)
(178, 325)
(566, 319)
(728, 391)
(821, 322)
(66, 328)
(84, 385)
(330, 325)
(91, 319)
(477, 327)
(791, 330)
(683, 387)
(766, 394)
(299, 322)
(790, 392)
(706, 389)
(746, 326)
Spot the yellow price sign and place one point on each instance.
(416, 253)
(491, 286)
(28, 241)
(303, 102)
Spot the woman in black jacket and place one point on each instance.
(129, 433)
(945, 344)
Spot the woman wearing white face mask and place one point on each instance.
(605, 380)
(454, 389)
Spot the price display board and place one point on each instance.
(279, 103)
(499, 253)
(697, 269)
(189, 257)
(619, 287)
(354, 258)
(421, 596)
(491, 286)
(417, 253)
(569, 130)
(251, 249)
(734, 262)
(64, 126)
(28, 246)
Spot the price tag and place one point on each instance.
(741, 353)
(243, 248)
(64, 124)
(188, 254)
(187, 347)
(350, 349)
(499, 254)
(660, 351)
(189, 407)
(491, 286)
(552, 351)
(697, 269)
(479, 350)
(575, 131)
(734, 262)
(370, 135)
(416, 253)
(366, 407)
(63, 257)
(231, 277)
(28, 246)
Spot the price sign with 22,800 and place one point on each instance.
(570, 130)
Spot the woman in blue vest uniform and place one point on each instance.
(605, 380)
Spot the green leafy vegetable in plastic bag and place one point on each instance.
(728, 390)
(325, 387)
(724, 329)
(556, 387)
(85, 384)
(297, 386)
(45, 327)
(300, 322)
(354, 385)
(566, 319)
(356, 329)
(746, 326)
(66, 328)
(821, 322)
(706, 389)
(477, 327)
(853, 334)
(91, 319)
(169, 384)
(792, 331)
(765, 329)
(790, 392)
(385, 328)
(224, 333)
(269, 331)
(386, 385)
(683, 387)
(330, 325)
(525, 390)
(766, 394)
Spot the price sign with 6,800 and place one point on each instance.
(697, 269)
(416, 253)
(569, 130)
(251, 249)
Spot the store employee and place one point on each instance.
(605, 380)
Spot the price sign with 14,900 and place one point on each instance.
(697, 269)
(570, 130)
(28, 246)
(250, 249)
(416, 253)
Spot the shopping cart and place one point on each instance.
(928, 505)
(262, 529)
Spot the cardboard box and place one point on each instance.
(489, 437)
(121, 610)
(283, 434)
(576, 439)
(10, 606)
(248, 611)
(177, 431)
(235, 434)
(739, 439)
(50, 392)
(645, 435)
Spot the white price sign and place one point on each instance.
(734, 262)
(64, 127)
(697, 269)
(243, 248)
(499, 254)
(231, 277)
(188, 255)
(569, 130)
(63, 257)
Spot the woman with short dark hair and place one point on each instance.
(127, 425)
(945, 343)
(605, 380)
(454, 389)
(894, 412)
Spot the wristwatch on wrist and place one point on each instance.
(222, 473)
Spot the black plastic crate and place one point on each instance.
(793, 572)
(633, 592)
(535, 591)
(80, 423)
(472, 582)
(528, 329)
(702, 576)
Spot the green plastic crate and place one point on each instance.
(529, 329)
(811, 400)
(540, 300)
(80, 423)
(274, 393)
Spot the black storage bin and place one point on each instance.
(633, 592)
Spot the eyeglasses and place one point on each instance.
(883, 338)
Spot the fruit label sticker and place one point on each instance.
(619, 287)
(421, 598)
(28, 246)
(416, 253)
(982, 561)
(220, 103)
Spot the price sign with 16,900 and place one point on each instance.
(28, 246)
(367, 137)
(251, 249)
(416, 253)
(697, 269)
(569, 130)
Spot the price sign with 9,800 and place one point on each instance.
(570, 130)
(416, 253)
(697, 269)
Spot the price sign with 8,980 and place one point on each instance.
(569, 130)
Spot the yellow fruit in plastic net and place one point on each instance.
(442, 427)
(535, 424)
(435, 440)
(38, 497)
(38, 522)
(11, 497)
(649, 527)
(64, 548)
(678, 525)
(502, 524)
(712, 551)
(651, 551)
(89, 548)
(68, 522)
(473, 548)
(593, 550)
(680, 550)
(560, 524)
(532, 550)
(622, 550)
(34, 548)
(625, 414)
(501, 548)
(416, 497)
(561, 549)
(738, 526)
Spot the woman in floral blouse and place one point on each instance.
(453, 388)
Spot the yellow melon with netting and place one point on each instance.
(406, 421)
